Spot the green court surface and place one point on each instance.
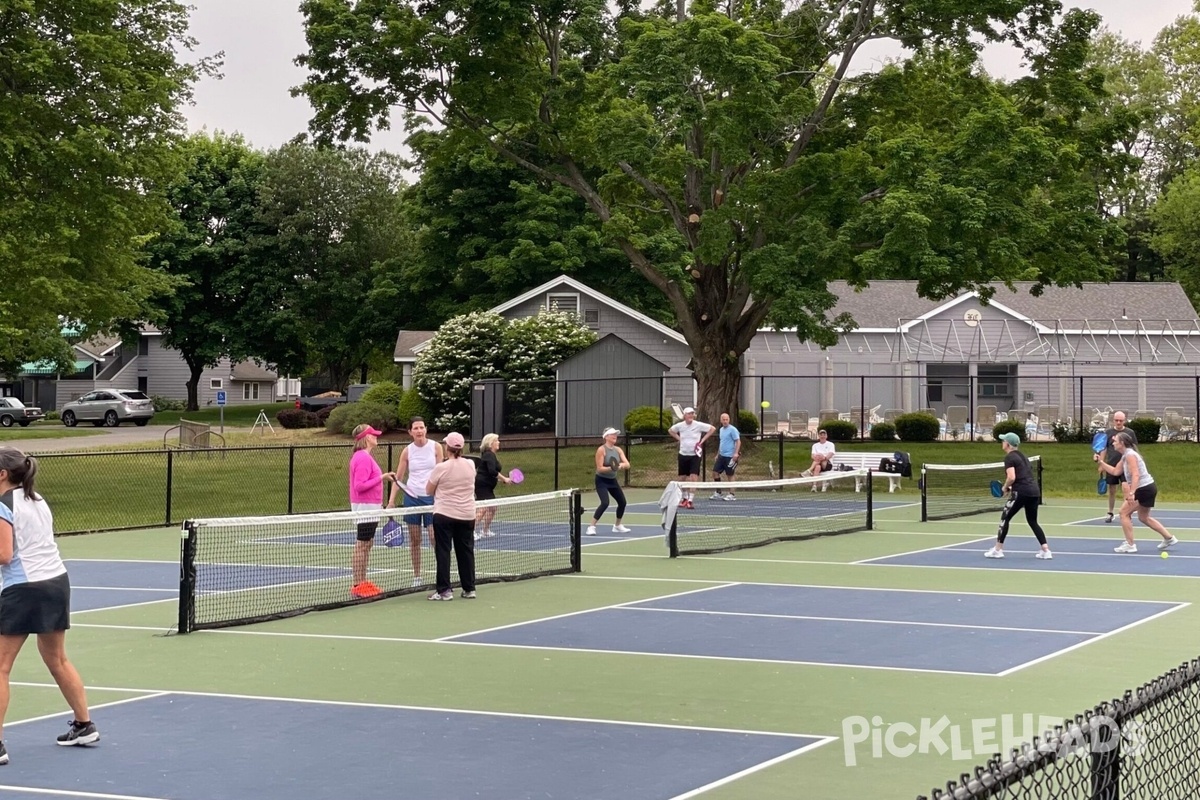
(388, 652)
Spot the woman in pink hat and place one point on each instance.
(452, 485)
(366, 494)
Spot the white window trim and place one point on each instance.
(216, 383)
(249, 393)
(551, 297)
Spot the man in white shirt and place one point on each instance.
(823, 452)
(691, 436)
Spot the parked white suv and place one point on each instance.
(109, 407)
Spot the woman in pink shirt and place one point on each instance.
(366, 494)
(452, 485)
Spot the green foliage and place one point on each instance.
(90, 92)
(52, 416)
(648, 421)
(1072, 433)
(918, 427)
(167, 403)
(840, 430)
(532, 348)
(1147, 429)
(747, 423)
(1009, 426)
(1177, 224)
(348, 416)
(297, 418)
(466, 349)
(411, 405)
(883, 432)
(384, 393)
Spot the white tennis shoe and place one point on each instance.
(994, 553)
(1163, 545)
(620, 529)
(1045, 555)
(1125, 547)
(591, 531)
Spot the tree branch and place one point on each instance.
(660, 194)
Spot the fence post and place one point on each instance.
(779, 436)
(556, 463)
(170, 481)
(1196, 416)
(971, 390)
(1080, 425)
(292, 474)
(629, 454)
(662, 403)
(862, 412)
(762, 388)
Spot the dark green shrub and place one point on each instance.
(747, 423)
(1147, 429)
(917, 426)
(167, 403)
(1009, 426)
(840, 430)
(411, 405)
(883, 432)
(648, 421)
(322, 415)
(1072, 434)
(52, 416)
(297, 418)
(385, 393)
(345, 418)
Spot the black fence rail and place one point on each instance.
(1142, 745)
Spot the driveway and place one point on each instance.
(107, 437)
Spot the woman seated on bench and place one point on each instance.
(823, 452)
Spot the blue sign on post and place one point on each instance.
(221, 405)
(221, 398)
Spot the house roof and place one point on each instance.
(602, 340)
(98, 346)
(406, 340)
(250, 371)
(889, 304)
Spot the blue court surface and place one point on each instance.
(97, 585)
(957, 632)
(796, 505)
(200, 747)
(1070, 555)
(1177, 518)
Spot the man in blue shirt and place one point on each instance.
(728, 453)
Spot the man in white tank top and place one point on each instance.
(412, 473)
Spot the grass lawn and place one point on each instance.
(44, 430)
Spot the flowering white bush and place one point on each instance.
(465, 349)
(535, 345)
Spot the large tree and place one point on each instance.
(211, 247)
(342, 241)
(89, 92)
(734, 155)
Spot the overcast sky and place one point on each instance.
(261, 38)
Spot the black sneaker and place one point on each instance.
(79, 733)
(3, 754)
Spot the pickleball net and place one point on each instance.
(959, 490)
(240, 570)
(763, 512)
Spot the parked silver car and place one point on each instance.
(109, 407)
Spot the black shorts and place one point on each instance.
(37, 607)
(366, 531)
(1113, 480)
(484, 492)
(724, 464)
(1145, 495)
(689, 465)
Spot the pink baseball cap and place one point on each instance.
(368, 432)
(454, 441)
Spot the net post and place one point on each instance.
(924, 497)
(672, 538)
(870, 500)
(292, 478)
(577, 531)
(170, 483)
(187, 579)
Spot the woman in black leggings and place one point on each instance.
(609, 459)
(1023, 493)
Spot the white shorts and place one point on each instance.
(367, 507)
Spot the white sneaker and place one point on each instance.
(715, 496)
(591, 531)
(814, 487)
(620, 529)
(824, 487)
(994, 553)
(729, 498)
(1125, 547)
(417, 581)
(478, 536)
(1163, 545)
(488, 533)
(1045, 555)
(806, 474)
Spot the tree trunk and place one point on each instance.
(718, 379)
(193, 384)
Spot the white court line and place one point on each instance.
(700, 559)
(922, 550)
(123, 561)
(577, 613)
(1046, 570)
(857, 620)
(142, 696)
(756, 768)
(73, 793)
(124, 589)
(1114, 632)
(127, 605)
(151, 693)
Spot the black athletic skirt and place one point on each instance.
(37, 607)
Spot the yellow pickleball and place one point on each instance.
(1164, 554)
(765, 403)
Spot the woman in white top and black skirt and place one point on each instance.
(1140, 493)
(1023, 494)
(36, 598)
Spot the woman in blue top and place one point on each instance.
(1140, 492)
(609, 460)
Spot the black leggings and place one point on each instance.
(605, 487)
(1015, 503)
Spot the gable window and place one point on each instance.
(591, 318)
(216, 383)
(563, 303)
(249, 391)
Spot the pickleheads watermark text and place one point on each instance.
(982, 738)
